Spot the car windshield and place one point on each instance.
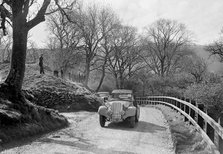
(122, 96)
(103, 95)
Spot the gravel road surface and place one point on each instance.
(85, 136)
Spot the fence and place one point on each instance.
(210, 130)
(77, 77)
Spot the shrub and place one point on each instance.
(210, 94)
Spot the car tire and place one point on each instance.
(102, 120)
(136, 118)
(132, 121)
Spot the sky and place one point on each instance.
(204, 18)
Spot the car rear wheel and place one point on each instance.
(102, 120)
(132, 121)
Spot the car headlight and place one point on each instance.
(124, 108)
(122, 112)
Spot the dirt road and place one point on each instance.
(150, 136)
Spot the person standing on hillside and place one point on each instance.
(41, 64)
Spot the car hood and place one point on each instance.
(125, 103)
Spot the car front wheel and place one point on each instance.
(132, 121)
(102, 120)
(136, 118)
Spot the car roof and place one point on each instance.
(117, 91)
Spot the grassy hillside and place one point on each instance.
(52, 92)
(43, 93)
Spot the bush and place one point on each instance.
(169, 86)
(210, 94)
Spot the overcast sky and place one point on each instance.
(203, 17)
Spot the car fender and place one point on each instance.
(103, 110)
(131, 111)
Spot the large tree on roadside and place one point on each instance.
(17, 11)
(164, 46)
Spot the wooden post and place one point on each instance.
(205, 123)
(189, 111)
(216, 136)
(196, 114)
(220, 139)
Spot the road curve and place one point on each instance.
(150, 136)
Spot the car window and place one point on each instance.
(103, 95)
(122, 96)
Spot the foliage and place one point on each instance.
(210, 94)
(150, 84)
(196, 67)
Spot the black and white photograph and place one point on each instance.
(111, 76)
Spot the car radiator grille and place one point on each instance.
(116, 111)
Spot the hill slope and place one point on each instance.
(21, 117)
(52, 92)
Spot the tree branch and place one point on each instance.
(40, 17)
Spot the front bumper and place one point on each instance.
(114, 116)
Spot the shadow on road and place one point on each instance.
(141, 126)
(84, 145)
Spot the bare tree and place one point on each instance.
(109, 22)
(164, 45)
(17, 11)
(196, 66)
(66, 42)
(6, 45)
(32, 52)
(123, 60)
(92, 36)
(216, 48)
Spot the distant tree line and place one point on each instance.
(95, 38)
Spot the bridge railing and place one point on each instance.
(210, 130)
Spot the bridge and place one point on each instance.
(210, 130)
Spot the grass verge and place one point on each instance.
(186, 138)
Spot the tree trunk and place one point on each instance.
(15, 77)
(121, 84)
(116, 81)
(101, 80)
(102, 77)
(162, 68)
(87, 72)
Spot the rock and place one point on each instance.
(35, 114)
(9, 117)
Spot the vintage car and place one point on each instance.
(103, 95)
(120, 107)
